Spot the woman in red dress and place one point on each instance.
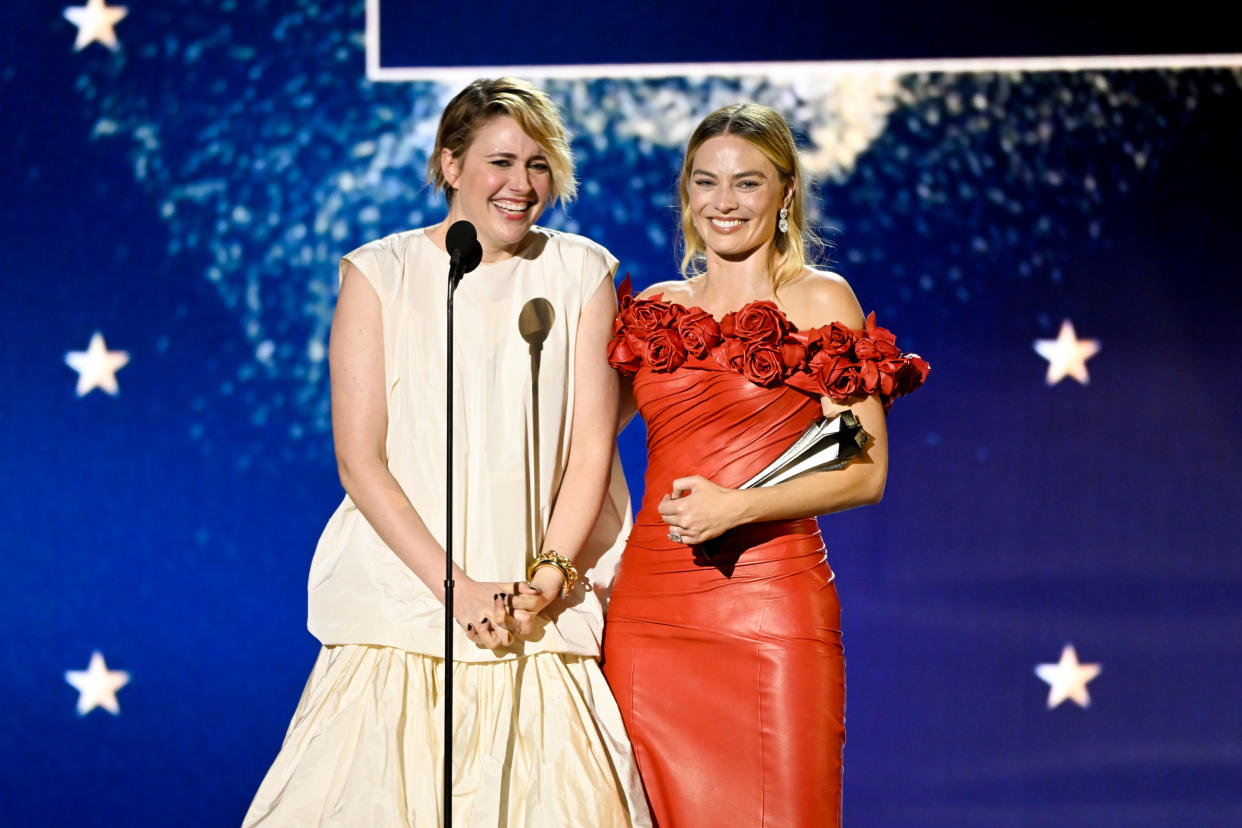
(723, 641)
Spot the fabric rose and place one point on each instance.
(699, 332)
(664, 350)
(836, 339)
(625, 291)
(794, 352)
(837, 375)
(875, 332)
(756, 322)
(913, 374)
(763, 364)
(879, 359)
(868, 375)
(643, 317)
(622, 357)
(890, 371)
(875, 349)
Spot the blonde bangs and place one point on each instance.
(549, 133)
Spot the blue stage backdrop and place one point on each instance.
(1042, 619)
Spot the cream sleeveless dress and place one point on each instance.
(537, 737)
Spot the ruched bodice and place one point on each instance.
(716, 424)
(719, 425)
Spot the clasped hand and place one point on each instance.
(492, 612)
(699, 510)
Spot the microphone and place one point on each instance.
(464, 249)
(534, 324)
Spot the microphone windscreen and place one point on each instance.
(471, 256)
(460, 236)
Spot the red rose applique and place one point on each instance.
(759, 342)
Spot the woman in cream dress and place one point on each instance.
(537, 737)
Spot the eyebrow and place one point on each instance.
(747, 174)
(502, 154)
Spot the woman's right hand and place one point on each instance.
(480, 610)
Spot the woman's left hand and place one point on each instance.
(531, 598)
(698, 510)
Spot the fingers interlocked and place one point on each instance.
(494, 629)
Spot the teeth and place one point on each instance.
(515, 207)
(725, 224)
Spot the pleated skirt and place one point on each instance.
(537, 741)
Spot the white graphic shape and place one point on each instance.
(1067, 679)
(95, 21)
(97, 366)
(97, 685)
(1067, 355)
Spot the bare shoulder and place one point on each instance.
(676, 290)
(818, 298)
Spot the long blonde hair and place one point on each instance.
(525, 103)
(767, 131)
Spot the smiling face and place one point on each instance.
(735, 194)
(502, 182)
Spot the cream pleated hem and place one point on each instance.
(537, 741)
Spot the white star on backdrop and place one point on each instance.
(97, 366)
(1067, 679)
(95, 21)
(97, 685)
(1067, 355)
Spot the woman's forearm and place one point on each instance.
(821, 493)
(698, 509)
(593, 433)
(579, 500)
(379, 497)
(858, 484)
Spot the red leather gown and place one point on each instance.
(728, 669)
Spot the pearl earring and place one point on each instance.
(782, 223)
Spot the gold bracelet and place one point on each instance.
(550, 557)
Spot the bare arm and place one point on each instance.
(593, 437)
(359, 432)
(592, 442)
(627, 406)
(699, 510)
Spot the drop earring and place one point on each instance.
(782, 223)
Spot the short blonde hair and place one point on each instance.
(525, 103)
(767, 131)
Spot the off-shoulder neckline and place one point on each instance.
(659, 297)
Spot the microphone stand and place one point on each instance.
(454, 277)
(534, 323)
(465, 254)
